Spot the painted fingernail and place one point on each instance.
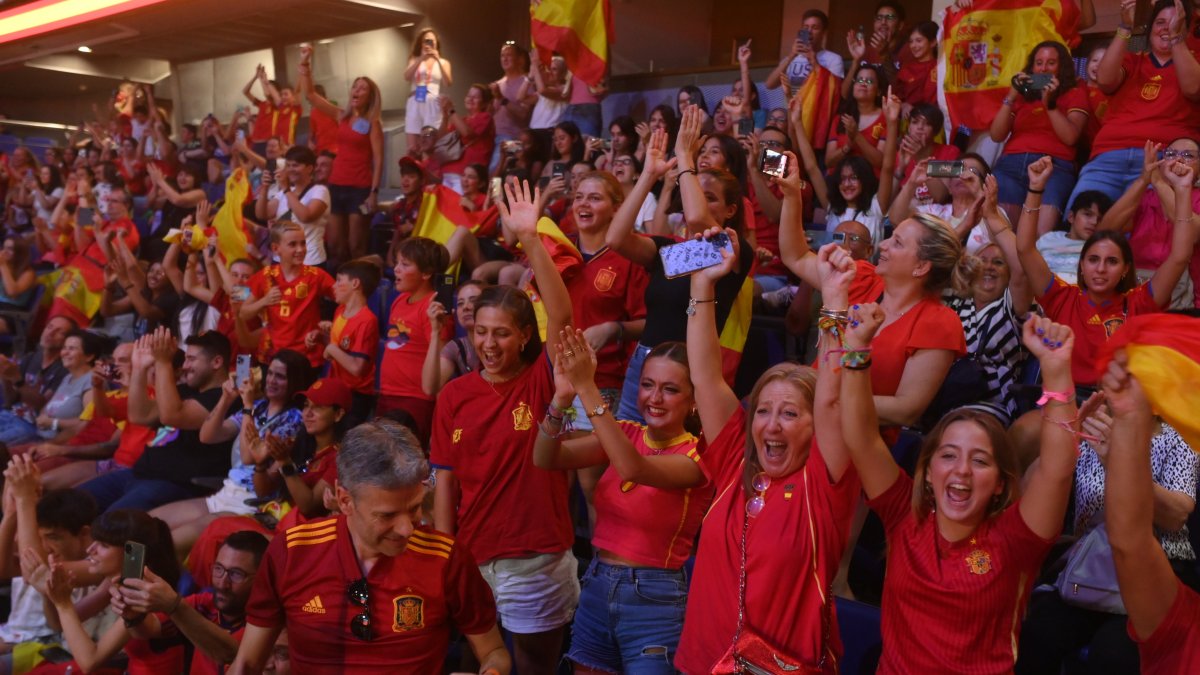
(856, 307)
(1041, 332)
(1046, 341)
(1057, 344)
(854, 324)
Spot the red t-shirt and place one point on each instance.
(1093, 325)
(203, 664)
(321, 467)
(300, 311)
(651, 526)
(1148, 106)
(323, 129)
(917, 82)
(953, 606)
(264, 122)
(134, 437)
(416, 598)
(96, 254)
(354, 165)
(1097, 110)
(783, 598)
(407, 344)
(157, 656)
(1175, 647)
(507, 507)
(479, 149)
(766, 233)
(1033, 132)
(357, 336)
(283, 122)
(610, 288)
(875, 132)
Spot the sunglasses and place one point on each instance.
(1179, 154)
(841, 237)
(886, 17)
(760, 483)
(359, 595)
(863, 80)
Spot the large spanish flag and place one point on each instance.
(442, 213)
(228, 223)
(982, 47)
(819, 98)
(1164, 355)
(737, 329)
(567, 260)
(580, 30)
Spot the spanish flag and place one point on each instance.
(567, 260)
(1164, 355)
(580, 30)
(982, 47)
(229, 224)
(819, 98)
(737, 329)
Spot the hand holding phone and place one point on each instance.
(243, 371)
(745, 126)
(944, 169)
(693, 255)
(133, 564)
(773, 163)
(445, 291)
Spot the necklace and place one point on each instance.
(492, 380)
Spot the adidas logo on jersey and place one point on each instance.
(314, 606)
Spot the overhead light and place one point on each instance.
(410, 24)
(51, 15)
(326, 41)
(85, 49)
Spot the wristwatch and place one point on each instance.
(597, 411)
(287, 470)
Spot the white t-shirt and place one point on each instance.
(799, 69)
(871, 218)
(314, 232)
(646, 213)
(1061, 254)
(977, 239)
(547, 112)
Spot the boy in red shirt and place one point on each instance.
(352, 339)
(287, 295)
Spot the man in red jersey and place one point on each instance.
(409, 584)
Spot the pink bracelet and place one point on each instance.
(1060, 396)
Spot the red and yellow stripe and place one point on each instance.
(580, 30)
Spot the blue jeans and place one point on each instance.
(120, 490)
(14, 430)
(628, 408)
(1012, 174)
(1110, 172)
(586, 116)
(629, 619)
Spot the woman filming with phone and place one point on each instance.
(711, 198)
(1043, 113)
(427, 72)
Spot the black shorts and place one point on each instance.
(345, 200)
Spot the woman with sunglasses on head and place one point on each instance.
(711, 197)
(785, 495)
(1146, 211)
(964, 545)
(649, 503)
(1040, 118)
(511, 515)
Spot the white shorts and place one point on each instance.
(534, 594)
(231, 498)
(418, 115)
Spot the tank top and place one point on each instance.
(352, 166)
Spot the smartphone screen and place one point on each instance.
(445, 291)
(693, 255)
(85, 216)
(497, 189)
(272, 164)
(558, 169)
(944, 169)
(772, 162)
(745, 126)
(243, 369)
(804, 36)
(133, 564)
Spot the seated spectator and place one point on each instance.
(381, 469)
(808, 54)
(916, 81)
(860, 128)
(407, 206)
(175, 456)
(212, 620)
(427, 71)
(1063, 248)
(962, 211)
(59, 419)
(1097, 101)
(475, 187)
(925, 121)
(1145, 213)
(30, 382)
(351, 340)
(689, 95)
(1049, 121)
(623, 140)
(17, 278)
(476, 131)
(298, 198)
(148, 292)
(448, 359)
(93, 249)
(1164, 614)
(1152, 95)
(274, 414)
(567, 148)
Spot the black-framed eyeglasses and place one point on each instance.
(771, 144)
(359, 595)
(886, 17)
(840, 237)
(235, 575)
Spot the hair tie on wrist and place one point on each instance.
(1036, 192)
(1060, 396)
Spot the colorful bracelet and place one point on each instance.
(856, 359)
(1070, 427)
(839, 314)
(1060, 396)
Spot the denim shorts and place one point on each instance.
(344, 199)
(1013, 179)
(629, 619)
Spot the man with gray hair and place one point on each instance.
(371, 589)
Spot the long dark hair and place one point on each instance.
(671, 119)
(118, 526)
(1129, 280)
(627, 126)
(572, 130)
(299, 373)
(735, 159)
(696, 96)
(866, 178)
(517, 305)
(1066, 67)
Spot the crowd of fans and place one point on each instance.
(353, 447)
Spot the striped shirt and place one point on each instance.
(993, 335)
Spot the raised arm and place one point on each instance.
(793, 244)
(1006, 240)
(217, 429)
(687, 144)
(860, 424)
(1187, 70)
(1147, 581)
(1049, 482)
(1037, 272)
(1110, 76)
(1183, 234)
(306, 85)
(837, 270)
(620, 236)
(520, 215)
(715, 401)
(800, 141)
(247, 90)
(892, 107)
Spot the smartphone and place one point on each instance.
(497, 190)
(241, 293)
(133, 564)
(445, 291)
(838, 237)
(745, 126)
(273, 164)
(772, 162)
(1039, 81)
(606, 144)
(944, 169)
(804, 35)
(111, 372)
(693, 255)
(557, 169)
(243, 370)
(85, 216)
(428, 42)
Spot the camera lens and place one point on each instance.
(128, 548)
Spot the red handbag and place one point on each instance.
(753, 654)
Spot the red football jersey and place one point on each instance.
(1149, 105)
(406, 345)
(1175, 647)
(609, 288)
(300, 311)
(357, 336)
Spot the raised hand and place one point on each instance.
(1039, 172)
(991, 197)
(657, 164)
(1097, 423)
(1123, 391)
(1050, 343)
(1179, 174)
(850, 124)
(791, 184)
(1150, 160)
(856, 46)
(576, 358)
(436, 315)
(837, 270)
(729, 260)
(163, 345)
(690, 138)
(865, 321)
(892, 106)
(142, 357)
(521, 213)
(744, 53)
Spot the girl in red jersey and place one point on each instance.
(649, 503)
(511, 515)
(358, 167)
(777, 527)
(1049, 121)
(110, 532)
(1164, 615)
(964, 547)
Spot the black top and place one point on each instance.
(667, 299)
(177, 455)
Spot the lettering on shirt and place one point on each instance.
(314, 606)
(410, 613)
(457, 436)
(522, 417)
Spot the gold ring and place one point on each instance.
(570, 353)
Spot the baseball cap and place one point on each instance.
(407, 162)
(328, 392)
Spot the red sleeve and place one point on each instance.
(1141, 300)
(722, 457)
(938, 328)
(119, 405)
(1057, 297)
(895, 504)
(258, 283)
(364, 339)
(635, 292)
(441, 450)
(325, 284)
(132, 238)
(1074, 99)
(469, 599)
(867, 285)
(265, 607)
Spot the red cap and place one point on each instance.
(327, 392)
(408, 161)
